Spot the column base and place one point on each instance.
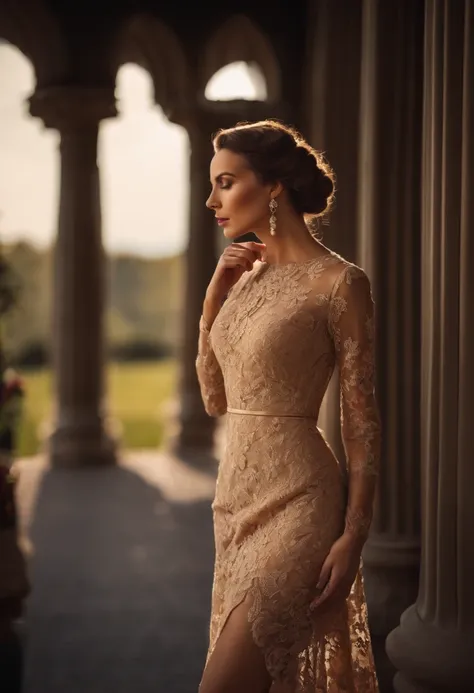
(430, 659)
(11, 659)
(391, 576)
(82, 444)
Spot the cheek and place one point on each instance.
(247, 201)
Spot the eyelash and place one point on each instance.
(225, 186)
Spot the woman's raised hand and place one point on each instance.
(236, 259)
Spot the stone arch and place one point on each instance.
(238, 39)
(148, 42)
(32, 28)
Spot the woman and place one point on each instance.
(288, 605)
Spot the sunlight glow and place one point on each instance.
(144, 164)
(29, 171)
(238, 80)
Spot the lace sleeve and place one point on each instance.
(351, 322)
(209, 373)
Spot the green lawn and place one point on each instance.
(136, 393)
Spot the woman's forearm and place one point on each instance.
(359, 510)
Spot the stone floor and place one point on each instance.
(121, 565)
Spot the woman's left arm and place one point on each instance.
(353, 331)
(351, 323)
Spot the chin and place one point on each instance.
(234, 232)
(231, 233)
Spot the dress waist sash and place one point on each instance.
(257, 412)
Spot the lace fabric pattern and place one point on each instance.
(281, 498)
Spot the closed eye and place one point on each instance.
(224, 180)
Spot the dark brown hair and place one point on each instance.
(277, 152)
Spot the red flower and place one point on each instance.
(12, 385)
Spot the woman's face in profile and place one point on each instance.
(239, 200)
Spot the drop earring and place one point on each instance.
(273, 220)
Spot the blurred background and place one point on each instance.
(107, 458)
(144, 164)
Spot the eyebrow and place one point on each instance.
(224, 173)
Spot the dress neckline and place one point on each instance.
(304, 263)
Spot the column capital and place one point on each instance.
(72, 107)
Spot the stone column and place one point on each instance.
(433, 648)
(196, 428)
(389, 250)
(333, 106)
(79, 438)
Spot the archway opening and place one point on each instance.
(238, 80)
(144, 163)
(29, 179)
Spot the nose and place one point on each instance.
(212, 202)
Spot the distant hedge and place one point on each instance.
(139, 350)
(31, 355)
(36, 354)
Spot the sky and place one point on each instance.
(143, 161)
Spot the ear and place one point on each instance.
(276, 189)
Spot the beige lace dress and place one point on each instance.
(280, 497)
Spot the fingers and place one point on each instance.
(253, 244)
(236, 255)
(325, 574)
(254, 248)
(328, 591)
(242, 254)
(323, 582)
(237, 259)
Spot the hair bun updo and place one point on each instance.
(277, 152)
(311, 187)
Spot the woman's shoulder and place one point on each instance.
(342, 269)
(340, 277)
